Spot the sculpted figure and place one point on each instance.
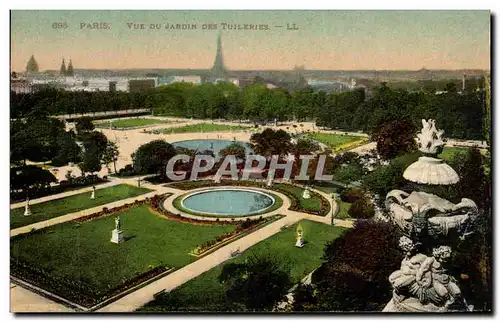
(424, 277)
(430, 139)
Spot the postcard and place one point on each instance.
(250, 161)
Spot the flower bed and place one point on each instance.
(243, 228)
(73, 290)
(295, 202)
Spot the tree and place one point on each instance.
(257, 284)
(236, 149)
(30, 177)
(84, 124)
(110, 155)
(303, 298)
(362, 208)
(68, 150)
(386, 178)
(487, 111)
(35, 139)
(153, 157)
(354, 276)
(97, 139)
(270, 142)
(91, 159)
(395, 138)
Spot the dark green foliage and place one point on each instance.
(395, 138)
(68, 150)
(84, 124)
(303, 297)
(235, 149)
(355, 274)
(362, 208)
(258, 284)
(459, 115)
(153, 157)
(271, 142)
(35, 139)
(30, 178)
(351, 195)
(386, 178)
(94, 147)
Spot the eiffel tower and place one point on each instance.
(218, 69)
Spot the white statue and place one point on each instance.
(117, 233)
(424, 278)
(306, 194)
(422, 212)
(300, 239)
(27, 210)
(430, 139)
(92, 195)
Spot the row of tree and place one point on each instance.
(459, 114)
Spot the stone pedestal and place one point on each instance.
(300, 243)
(117, 236)
(27, 211)
(300, 240)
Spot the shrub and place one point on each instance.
(351, 195)
(362, 208)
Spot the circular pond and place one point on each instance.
(212, 145)
(228, 202)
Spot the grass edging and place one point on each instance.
(236, 237)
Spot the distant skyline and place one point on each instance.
(325, 40)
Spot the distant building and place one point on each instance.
(193, 79)
(70, 71)
(21, 85)
(32, 65)
(112, 86)
(218, 69)
(62, 70)
(141, 85)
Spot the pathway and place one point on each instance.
(23, 300)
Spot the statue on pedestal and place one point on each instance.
(117, 233)
(27, 210)
(300, 238)
(92, 195)
(432, 226)
(306, 194)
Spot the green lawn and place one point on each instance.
(83, 252)
(202, 127)
(63, 206)
(131, 123)
(344, 208)
(313, 203)
(327, 187)
(449, 152)
(333, 140)
(205, 293)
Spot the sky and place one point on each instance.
(321, 40)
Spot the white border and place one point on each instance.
(213, 4)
